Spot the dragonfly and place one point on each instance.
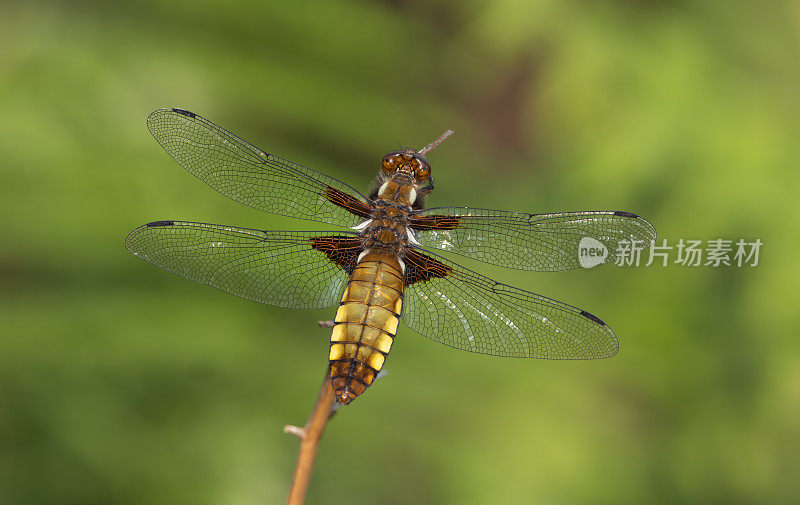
(381, 267)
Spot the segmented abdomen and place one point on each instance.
(365, 324)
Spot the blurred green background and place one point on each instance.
(122, 384)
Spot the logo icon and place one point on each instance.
(591, 252)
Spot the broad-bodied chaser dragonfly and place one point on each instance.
(383, 265)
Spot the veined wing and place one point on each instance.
(251, 176)
(463, 309)
(542, 242)
(303, 270)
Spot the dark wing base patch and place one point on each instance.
(345, 201)
(421, 268)
(343, 250)
(434, 222)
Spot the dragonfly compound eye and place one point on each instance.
(391, 161)
(422, 170)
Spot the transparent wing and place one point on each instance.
(465, 310)
(287, 269)
(251, 176)
(542, 242)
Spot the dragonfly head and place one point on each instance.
(407, 161)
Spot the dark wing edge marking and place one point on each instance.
(286, 269)
(592, 317)
(184, 112)
(237, 169)
(462, 309)
(539, 242)
(160, 223)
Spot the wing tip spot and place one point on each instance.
(623, 213)
(184, 112)
(592, 317)
(160, 223)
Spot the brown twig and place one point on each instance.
(309, 436)
(430, 147)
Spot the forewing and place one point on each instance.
(303, 270)
(251, 176)
(463, 309)
(542, 242)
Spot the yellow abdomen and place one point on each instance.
(365, 324)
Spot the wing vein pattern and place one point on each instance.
(245, 173)
(541, 242)
(465, 310)
(273, 267)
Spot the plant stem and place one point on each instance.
(433, 145)
(309, 436)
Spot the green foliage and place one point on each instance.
(122, 384)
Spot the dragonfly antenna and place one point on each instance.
(430, 147)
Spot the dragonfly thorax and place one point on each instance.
(387, 227)
(399, 190)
